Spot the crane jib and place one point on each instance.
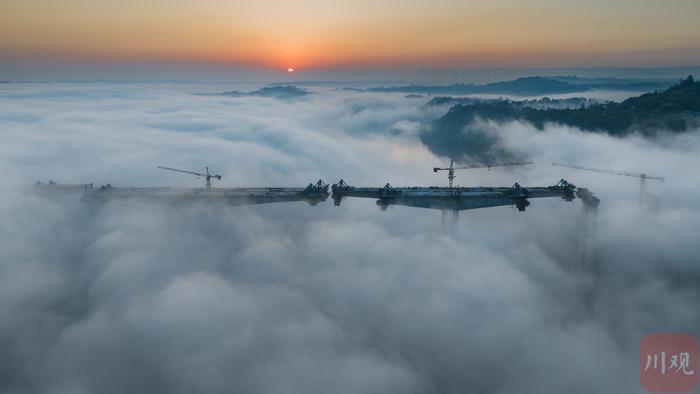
(612, 172)
(208, 176)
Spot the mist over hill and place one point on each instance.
(281, 92)
(460, 131)
(529, 86)
(543, 103)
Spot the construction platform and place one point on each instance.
(462, 198)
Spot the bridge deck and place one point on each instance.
(458, 199)
(444, 198)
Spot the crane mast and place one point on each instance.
(451, 169)
(206, 175)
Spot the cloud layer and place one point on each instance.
(285, 298)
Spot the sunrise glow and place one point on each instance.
(350, 35)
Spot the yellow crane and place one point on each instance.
(451, 169)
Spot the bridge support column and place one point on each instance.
(450, 221)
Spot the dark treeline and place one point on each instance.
(675, 109)
(286, 91)
(529, 86)
(543, 103)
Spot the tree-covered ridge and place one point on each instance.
(283, 92)
(543, 103)
(676, 109)
(672, 109)
(528, 86)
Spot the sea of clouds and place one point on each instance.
(284, 298)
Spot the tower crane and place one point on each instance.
(207, 175)
(451, 169)
(642, 177)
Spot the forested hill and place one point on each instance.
(676, 109)
(672, 109)
(282, 92)
(529, 86)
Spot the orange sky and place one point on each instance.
(357, 33)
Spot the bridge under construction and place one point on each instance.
(442, 198)
(447, 199)
(462, 198)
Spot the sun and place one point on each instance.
(290, 70)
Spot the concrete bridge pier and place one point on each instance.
(587, 229)
(450, 221)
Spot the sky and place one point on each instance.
(38, 37)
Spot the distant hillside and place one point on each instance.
(543, 103)
(529, 86)
(676, 109)
(532, 86)
(282, 92)
(641, 85)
